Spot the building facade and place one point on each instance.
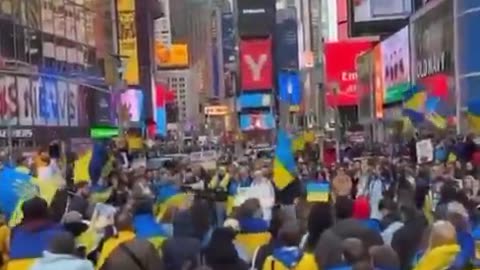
(53, 56)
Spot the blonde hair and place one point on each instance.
(442, 233)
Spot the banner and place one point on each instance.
(246, 101)
(175, 55)
(259, 121)
(378, 81)
(396, 65)
(256, 64)
(101, 108)
(286, 39)
(8, 101)
(290, 87)
(256, 18)
(127, 38)
(228, 38)
(340, 65)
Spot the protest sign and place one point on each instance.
(424, 151)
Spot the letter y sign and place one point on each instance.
(256, 67)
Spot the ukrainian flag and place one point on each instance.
(284, 162)
(168, 195)
(473, 116)
(253, 233)
(16, 187)
(146, 227)
(318, 192)
(414, 103)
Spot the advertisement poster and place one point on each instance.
(372, 10)
(101, 108)
(290, 87)
(365, 71)
(47, 16)
(256, 18)
(396, 65)
(175, 55)
(340, 71)
(247, 100)
(8, 101)
(286, 39)
(259, 121)
(433, 57)
(133, 100)
(228, 38)
(127, 38)
(378, 82)
(59, 17)
(256, 64)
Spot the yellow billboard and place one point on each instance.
(175, 55)
(216, 110)
(127, 40)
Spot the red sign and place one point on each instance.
(340, 70)
(256, 64)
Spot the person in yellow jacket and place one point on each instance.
(288, 256)
(4, 241)
(117, 251)
(443, 247)
(220, 182)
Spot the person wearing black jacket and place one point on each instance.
(288, 196)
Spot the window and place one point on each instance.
(34, 53)
(21, 48)
(7, 42)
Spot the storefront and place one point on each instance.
(432, 43)
(35, 110)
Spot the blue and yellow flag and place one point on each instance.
(17, 186)
(284, 162)
(318, 192)
(414, 104)
(473, 116)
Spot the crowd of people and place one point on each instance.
(381, 213)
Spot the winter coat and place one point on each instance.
(125, 252)
(51, 261)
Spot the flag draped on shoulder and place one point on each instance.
(284, 162)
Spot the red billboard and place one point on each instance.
(256, 64)
(340, 70)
